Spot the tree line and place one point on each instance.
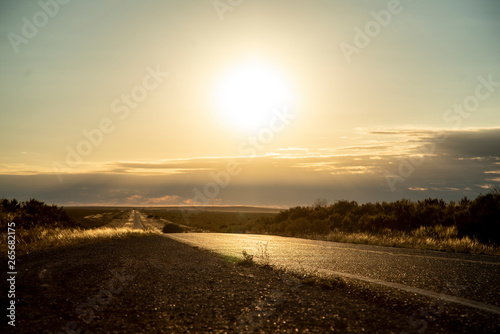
(478, 218)
(33, 213)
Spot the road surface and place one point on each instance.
(154, 284)
(137, 220)
(471, 281)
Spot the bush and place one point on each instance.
(481, 219)
(33, 213)
(319, 226)
(477, 219)
(172, 228)
(296, 226)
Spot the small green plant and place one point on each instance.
(230, 259)
(247, 260)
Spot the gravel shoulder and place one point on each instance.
(156, 285)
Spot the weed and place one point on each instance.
(263, 254)
(247, 260)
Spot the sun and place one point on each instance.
(246, 95)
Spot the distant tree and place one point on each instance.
(10, 206)
(481, 219)
(320, 203)
(298, 226)
(343, 207)
(299, 212)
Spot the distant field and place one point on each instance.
(214, 219)
(94, 216)
(238, 208)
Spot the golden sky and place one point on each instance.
(248, 102)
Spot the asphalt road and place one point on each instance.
(134, 220)
(468, 281)
(137, 220)
(155, 284)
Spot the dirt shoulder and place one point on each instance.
(156, 285)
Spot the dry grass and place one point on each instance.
(438, 238)
(38, 238)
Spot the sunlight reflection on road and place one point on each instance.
(419, 269)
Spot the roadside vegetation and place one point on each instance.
(471, 226)
(44, 238)
(305, 277)
(172, 228)
(468, 226)
(41, 226)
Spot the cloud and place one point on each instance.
(457, 163)
(467, 142)
(163, 167)
(165, 200)
(476, 143)
(495, 179)
(145, 200)
(134, 198)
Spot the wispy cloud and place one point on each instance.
(144, 200)
(159, 168)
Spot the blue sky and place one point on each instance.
(258, 103)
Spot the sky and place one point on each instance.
(248, 102)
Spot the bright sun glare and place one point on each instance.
(246, 95)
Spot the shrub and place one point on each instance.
(172, 228)
(33, 213)
(319, 226)
(297, 226)
(477, 219)
(482, 219)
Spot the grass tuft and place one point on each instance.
(38, 238)
(439, 238)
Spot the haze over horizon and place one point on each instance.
(248, 102)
